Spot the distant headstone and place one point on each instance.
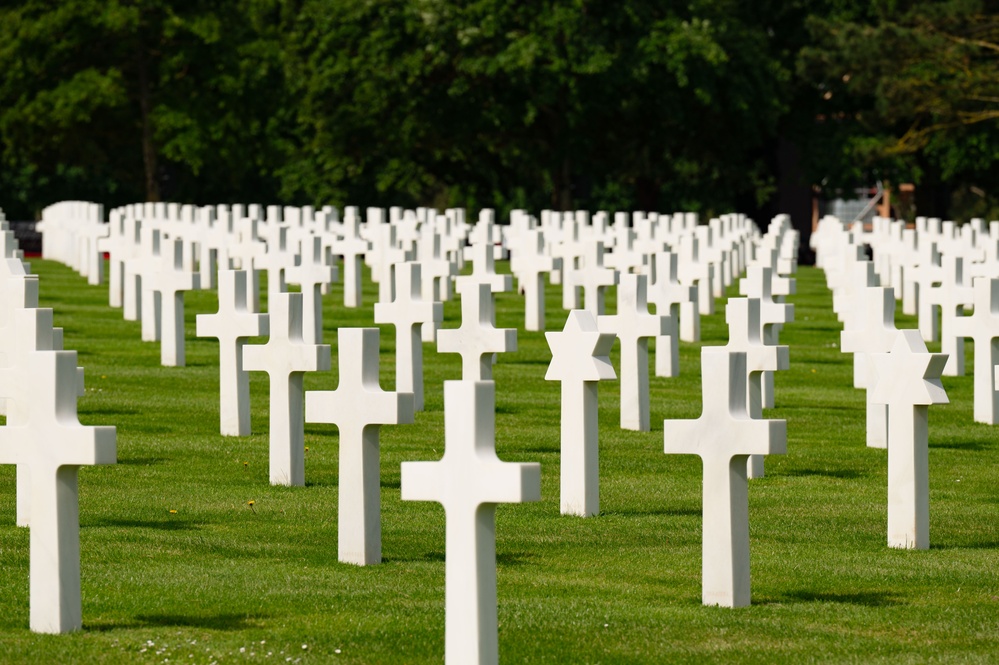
(579, 360)
(232, 325)
(408, 312)
(286, 357)
(312, 274)
(532, 263)
(745, 335)
(634, 325)
(875, 332)
(477, 338)
(983, 328)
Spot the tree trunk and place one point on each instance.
(148, 147)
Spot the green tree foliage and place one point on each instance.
(910, 91)
(660, 105)
(133, 99)
(550, 103)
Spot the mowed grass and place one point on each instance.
(221, 581)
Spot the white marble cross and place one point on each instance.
(165, 288)
(483, 270)
(724, 437)
(952, 295)
(312, 274)
(286, 357)
(532, 263)
(352, 248)
(477, 338)
(358, 407)
(594, 277)
(44, 437)
(758, 283)
(874, 332)
(982, 327)
(745, 335)
(469, 481)
(408, 312)
(579, 360)
(907, 380)
(667, 294)
(232, 325)
(634, 325)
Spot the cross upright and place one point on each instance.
(594, 277)
(919, 283)
(232, 325)
(277, 257)
(358, 407)
(248, 250)
(874, 332)
(982, 327)
(44, 437)
(168, 284)
(758, 283)
(532, 263)
(634, 325)
(579, 360)
(568, 250)
(135, 267)
(952, 295)
(745, 335)
(907, 380)
(120, 245)
(388, 256)
(312, 273)
(724, 437)
(286, 357)
(667, 294)
(407, 313)
(477, 338)
(481, 255)
(469, 481)
(352, 248)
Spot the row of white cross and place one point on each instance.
(39, 386)
(158, 251)
(901, 377)
(470, 480)
(936, 271)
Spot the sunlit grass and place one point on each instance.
(189, 554)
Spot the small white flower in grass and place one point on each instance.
(336, 651)
(305, 646)
(242, 649)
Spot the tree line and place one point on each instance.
(624, 104)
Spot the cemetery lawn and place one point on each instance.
(188, 555)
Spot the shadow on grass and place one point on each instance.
(141, 461)
(845, 474)
(653, 512)
(162, 525)
(970, 446)
(213, 622)
(108, 411)
(864, 598)
(981, 545)
(436, 555)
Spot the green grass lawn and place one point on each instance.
(177, 565)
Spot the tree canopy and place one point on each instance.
(584, 103)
